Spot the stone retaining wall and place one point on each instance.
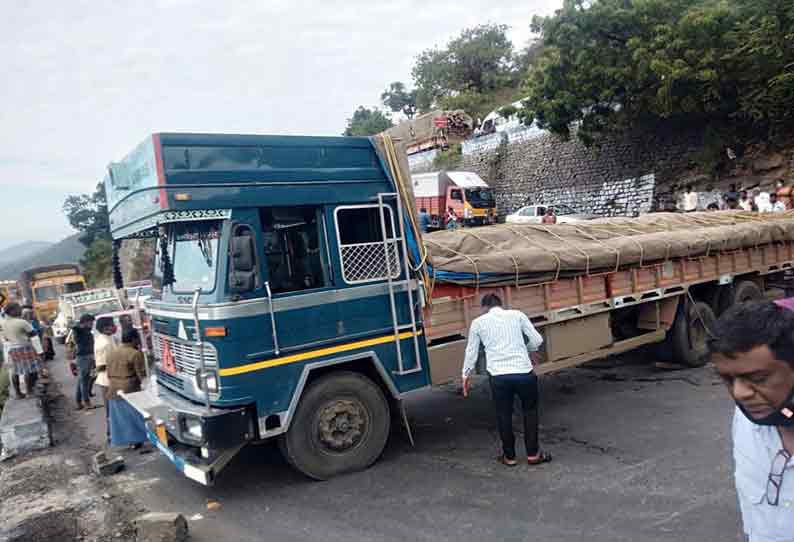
(620, 177)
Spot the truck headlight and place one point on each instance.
(193, 427)
(466, 213)
(211, 379)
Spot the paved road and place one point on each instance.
(640, 456)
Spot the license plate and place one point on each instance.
(162, 435)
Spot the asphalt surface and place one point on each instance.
(639, 455)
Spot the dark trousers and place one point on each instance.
(85, 364)
(504, 388)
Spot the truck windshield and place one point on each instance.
(480, 198)
(195, 255)
(46, 293)
(72, 287)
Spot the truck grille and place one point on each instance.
(170, 381)
(186, 354)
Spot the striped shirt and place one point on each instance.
(502, 334)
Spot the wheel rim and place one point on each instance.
(698, 337)
(342, 425)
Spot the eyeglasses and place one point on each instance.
(775, 481)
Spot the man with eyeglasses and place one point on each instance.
(752, 348)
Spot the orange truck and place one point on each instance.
(42, 287)
(464, 192)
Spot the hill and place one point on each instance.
(22, 251)
(70, 250)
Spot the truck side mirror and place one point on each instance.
(242, 259)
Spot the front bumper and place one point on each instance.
(224, 432)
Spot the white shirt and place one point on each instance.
(754, 449)
(502, 334)
(690, 201)
(103, 345)
(746, 204)
(777, 207)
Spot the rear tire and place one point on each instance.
(689, 335)
(747, 291)
(341, 425)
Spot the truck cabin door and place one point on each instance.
(298, 275)
(455, 200)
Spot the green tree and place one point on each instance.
(479, 60)
(613, 65)
(366, 122)
(88, 213)
(399, 100)
(97, 262)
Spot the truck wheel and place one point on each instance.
(341, 425)
(746, 291)
(741, 292)
(690, 333)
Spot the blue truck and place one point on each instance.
(289, 296)
(292, 292)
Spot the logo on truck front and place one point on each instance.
(169, 365)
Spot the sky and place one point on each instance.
(86, 81)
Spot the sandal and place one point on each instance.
(507, 462)
(543, 457)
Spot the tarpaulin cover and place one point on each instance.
(528, 254)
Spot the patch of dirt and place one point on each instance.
(51, 495)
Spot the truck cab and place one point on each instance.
(285, 304)
(43, 286)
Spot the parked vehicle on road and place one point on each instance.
(42, 286)
(72, 306)
(464, 192)
(9, 291)
(300, 306)
(533, 214)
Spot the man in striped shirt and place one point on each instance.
(504, 335)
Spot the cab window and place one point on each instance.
(361, 245)
(293, 248)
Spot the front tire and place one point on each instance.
(341, 425)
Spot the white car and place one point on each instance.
(533, 214)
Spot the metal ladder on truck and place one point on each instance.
(398, 245)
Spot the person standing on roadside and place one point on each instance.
(745, 203)
(690, 200)
(502, 333)
(126, 370)
(83, 339)
(103, 347)
(424, 220)
(452, 219)
(549, 217)
(752, 349)
(775, 205)
(22, 357)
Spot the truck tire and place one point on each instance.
(690, 333)
(341, 425)
(741, 292)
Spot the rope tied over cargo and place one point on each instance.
(524, 255)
